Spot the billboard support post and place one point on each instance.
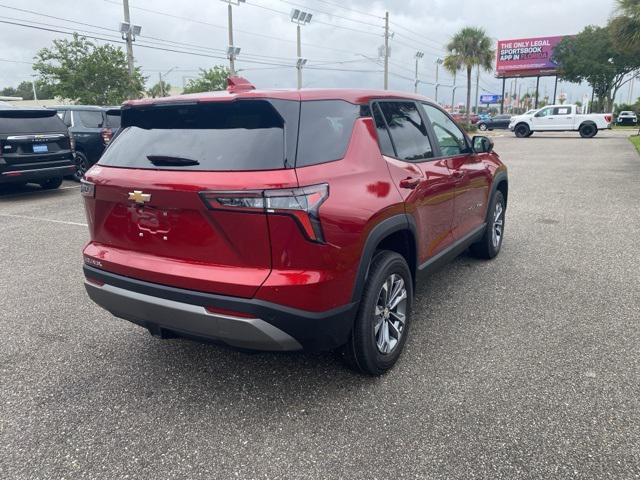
(537, 90)
(555, 90)
(504, 80)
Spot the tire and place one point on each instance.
(588, 130)
(51, 183)
(489, 245)
(82, 165)
(529, 134)
(482, 127)
(522, 130)
(373, 347)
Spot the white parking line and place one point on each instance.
(35, 192)
(25, 217)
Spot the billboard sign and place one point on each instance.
(490, 99)
(527, 57)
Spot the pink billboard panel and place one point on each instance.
(530, 55)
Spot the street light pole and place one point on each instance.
(418, 55)
(439, 62)
(386, 50)
(453, 92)
(299, 51)
(300, 18)
(160, 75)
(128, 37)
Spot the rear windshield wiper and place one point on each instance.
(165, 161)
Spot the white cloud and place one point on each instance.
(265, 35)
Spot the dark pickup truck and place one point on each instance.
(35, 147)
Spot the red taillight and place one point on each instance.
(106, 134)
(301, 203)
(608, 118)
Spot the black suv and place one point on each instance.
(35, 147)
(92, 128)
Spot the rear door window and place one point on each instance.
(384, 139)
(325, 130)
(216, 136)
(408, 130)
(90, 119)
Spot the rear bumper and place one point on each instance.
(36, 174)
(272, 327)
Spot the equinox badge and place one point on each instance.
(139, 197)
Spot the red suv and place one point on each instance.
(286, 220)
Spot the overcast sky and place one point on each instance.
(343, 35)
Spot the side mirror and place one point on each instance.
(482, 144)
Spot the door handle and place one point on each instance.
(409, 182)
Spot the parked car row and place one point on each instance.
(44, 145)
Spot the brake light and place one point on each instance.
(608, 118)
(302, 204)
(106, 134)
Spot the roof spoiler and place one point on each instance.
(115, 112)
(27, 113)
(239, 84)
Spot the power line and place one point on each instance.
(224, 27)
(286, 14)
(330, 14)
(360, 12)
(110, 40)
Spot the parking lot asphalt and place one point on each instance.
(527, 366)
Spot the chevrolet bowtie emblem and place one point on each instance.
(139, 197)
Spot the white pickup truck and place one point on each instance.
(560, 118)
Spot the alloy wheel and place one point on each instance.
(390, 314)
(498, 223)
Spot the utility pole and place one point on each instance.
(386, 50)
(300, 18)
(128, 37)
(477, 88)
(232, 60)
(299, 63)
(439, 62)
(232, 50)
(419, 55)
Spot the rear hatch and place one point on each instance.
(172, 199)
(33, 138)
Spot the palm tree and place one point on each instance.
(627, 25)
(470, 47)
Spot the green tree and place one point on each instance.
(25, 90)
(592, 56)
(160, 89)
(87, 73)
(209, 80)
(625, 28)
(469, 48)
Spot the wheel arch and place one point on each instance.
(397, 234)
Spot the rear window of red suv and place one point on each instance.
(233, 136)
(216, 136)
